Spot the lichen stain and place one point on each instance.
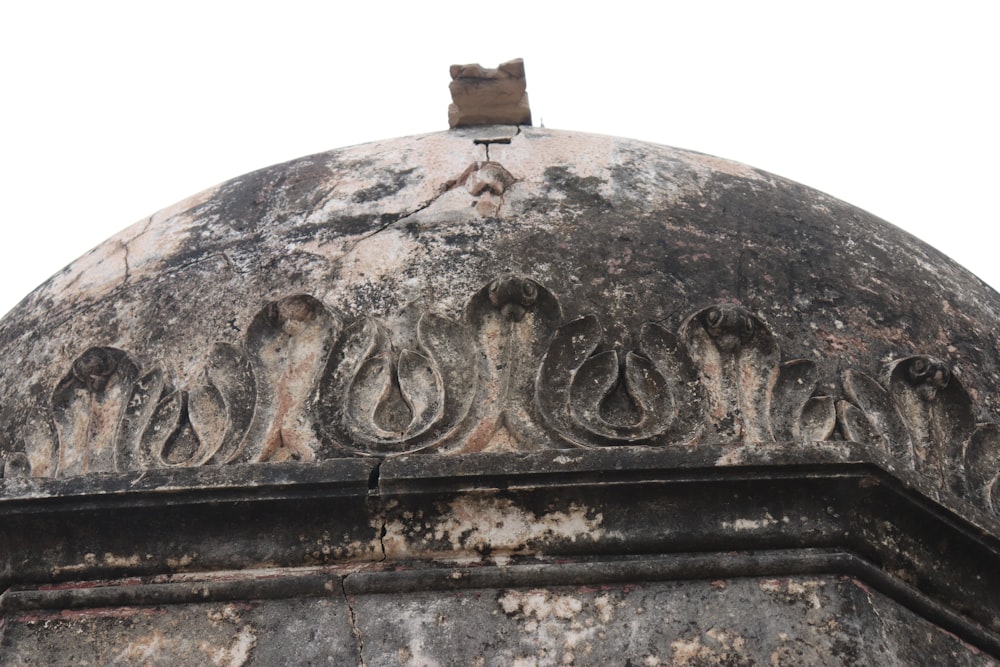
(751, 524)
(157, 647)
(91, 560)
(793, 590)
(144, 649)
(496, 526)
(560, 627)
(183, 561)
(413, 654)
(714, 647)
(540, 604)
(237, 653)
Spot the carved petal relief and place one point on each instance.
(381, 400)
(594, 398)
(222, 408)
(510, 373)
(923, 417)
(88, 405)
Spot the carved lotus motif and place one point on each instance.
(88, 405)
(923, 417)
(608, 398)
(383, 401)
(511, 319)
(719, 379)
(509, 374)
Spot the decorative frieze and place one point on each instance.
(510, 374)
(922, 416)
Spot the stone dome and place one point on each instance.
(621, 243)
(516, 302)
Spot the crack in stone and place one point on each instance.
(485, 143)
(871, 604)
(377, 510)
(441, 191)
(353, 617)
(225, 258)
(382, 532)
(126, 244)
(125, 259)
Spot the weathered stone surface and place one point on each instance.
(484, 96)
(469, 291)
(818, 620)
(592, 518)
(307, 632)
(470, 373)
(766, 621)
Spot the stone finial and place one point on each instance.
(483, 96)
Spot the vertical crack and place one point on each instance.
(375, 505)
(381, 538)
(353, 617)
(125, 245)
(374, 502)
(485, 143)
(125, 251)
(739, 275)
(740, 260)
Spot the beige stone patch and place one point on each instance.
(559, 625)
(237, 653)
(155, 647)
(91, 559)
(183, 561)
(133, 251)
(382, 254)
(710, 164)
(751, 524)
(499, 525)
(721, 648)
(145, 648)
(541, 604)
(494, 525)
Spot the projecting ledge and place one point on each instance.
(586, 515)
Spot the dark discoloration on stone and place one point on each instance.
(314, 631)
(776, 524)
(583, 295)
(385, 189)
(635, 234)
(768, 621)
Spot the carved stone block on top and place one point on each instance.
(484, 96)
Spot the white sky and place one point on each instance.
(113, 110)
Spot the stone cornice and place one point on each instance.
(419, 522)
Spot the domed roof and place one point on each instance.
(501, 288)
(373, 398)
